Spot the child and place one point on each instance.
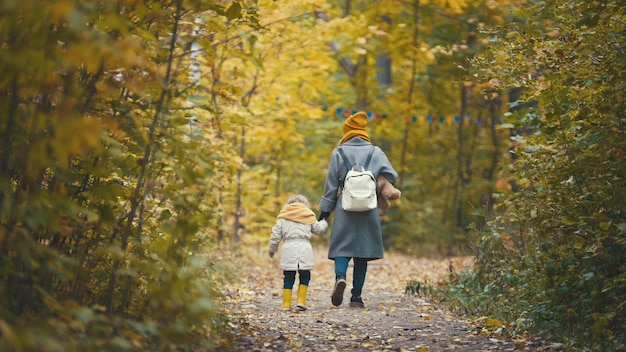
(296, 221)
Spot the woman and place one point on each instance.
(354, 236)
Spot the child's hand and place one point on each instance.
(271, 254)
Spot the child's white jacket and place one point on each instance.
(297, 252)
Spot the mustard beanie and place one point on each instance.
(354, 126)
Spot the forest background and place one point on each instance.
(142, 139)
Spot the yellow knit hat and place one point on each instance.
(354, 126)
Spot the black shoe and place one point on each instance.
(337, 296)
(356, 302)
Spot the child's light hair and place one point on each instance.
(298, 198)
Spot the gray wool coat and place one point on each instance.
(354, 234)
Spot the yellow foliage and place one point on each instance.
(493, 323)
(452, 7)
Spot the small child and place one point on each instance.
(296, 222)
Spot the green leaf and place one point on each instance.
(568, 220)
(234, 11)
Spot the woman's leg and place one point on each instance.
(358, 280)
(341, 268)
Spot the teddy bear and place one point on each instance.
(386, 192)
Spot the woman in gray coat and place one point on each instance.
(354, 236)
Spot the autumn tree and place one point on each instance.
(553, 257)
(447, 165)
(106, 215)
(314, 62)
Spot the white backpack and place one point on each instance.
(359, 186)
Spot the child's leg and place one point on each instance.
(305, 277)
(289, 278)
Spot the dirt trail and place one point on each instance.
(390, 321)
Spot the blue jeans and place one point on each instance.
(358, 274)
(290, 278)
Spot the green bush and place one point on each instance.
(552, 260)
(106, 211)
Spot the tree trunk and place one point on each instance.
(494, 107)
(238, 207)
(137, 197)
(407, 123)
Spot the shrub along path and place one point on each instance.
(390, 321)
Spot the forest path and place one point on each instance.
(390, 321)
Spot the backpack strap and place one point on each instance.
(349, 167)
(345, 159)
(369, 158)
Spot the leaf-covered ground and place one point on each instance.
(390, 321)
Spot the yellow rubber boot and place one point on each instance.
(302, 297)
(286, 298)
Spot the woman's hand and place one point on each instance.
(324, 215)
(271, 254)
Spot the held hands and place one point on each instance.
(271, 254)
(324, 215)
